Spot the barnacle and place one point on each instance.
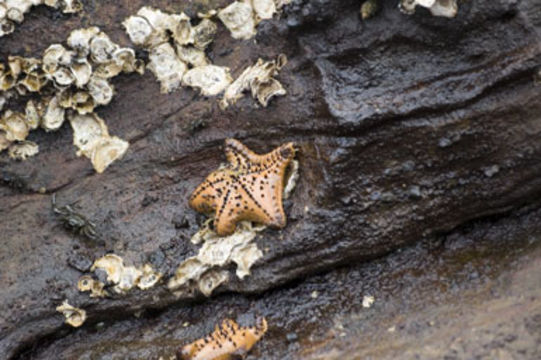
(445, 8)
(23, 150)
(54, 115)
(241, 18)
(91, 137)
(95, 287)
(369, 8)
(167, 67)
(238, 18)
(211, 79)
(123, 277)
(228, 341)
(14, 126)
(259, 79)
(12, 11)
(73, 316)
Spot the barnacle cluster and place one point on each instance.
(73, 316)
(177, 50)
(445, 8)
(72, 81)
(12, 11)
(122, 278)
(259, 79)
(204, 270)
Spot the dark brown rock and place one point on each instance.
(408, 126)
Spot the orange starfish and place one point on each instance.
(225, 342)
(249, 188)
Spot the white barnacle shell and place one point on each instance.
(81, 71)
(32, 82)
(149, 277)
(54, 115)
(92, 138)
(96, 287)
(238, 18)
(14, 125)
(102, 48)
(71, 6)
(204, 33)
(108, 70)
(79, 40)
(107, 151)
(159, 20)
(182, 30)
(167, 67)
(51, 3)
(125, 57)
(141, 32)
(32, 115)
(23, 150)
(112, 264)
(87, 131)
(6, 27)
(15, 14)
(264, 9)
(210, 79)
(445, 8)
(259, 79)
(63, 76)
(54, 56)
(192, 55)
(100, 90)
(73, 316)
(78, 100)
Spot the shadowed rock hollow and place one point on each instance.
(414, 132)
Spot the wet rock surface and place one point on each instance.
(408, 127)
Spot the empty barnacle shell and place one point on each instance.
(22, 150)
(63, 76)
(6, 27)
(91, 137)
(15, 14)
(71, 6)
(192, 56)
(73, 316)
(264, 9)
(87, 130)
(209, 281)
(100, 90)
(81, 71)
(14, 125)
(167, 67)
(32, 115)
(112, 264)
(79, 40)
(51, 3)
(102, 48)
(149, 277)
(204, 33)
(445, 8)
(96, 287)
(125, 57)
(107, 151)
(32, 82)
(54, 56)
(108, 70)
(78, 100)
(141, 32)
(4, 142)
(54, 115)
(7, 81)
(259, 79)
(182, 30)
(238, 18)
(210, 79)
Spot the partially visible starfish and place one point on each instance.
(230, 341)
(249, 188)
